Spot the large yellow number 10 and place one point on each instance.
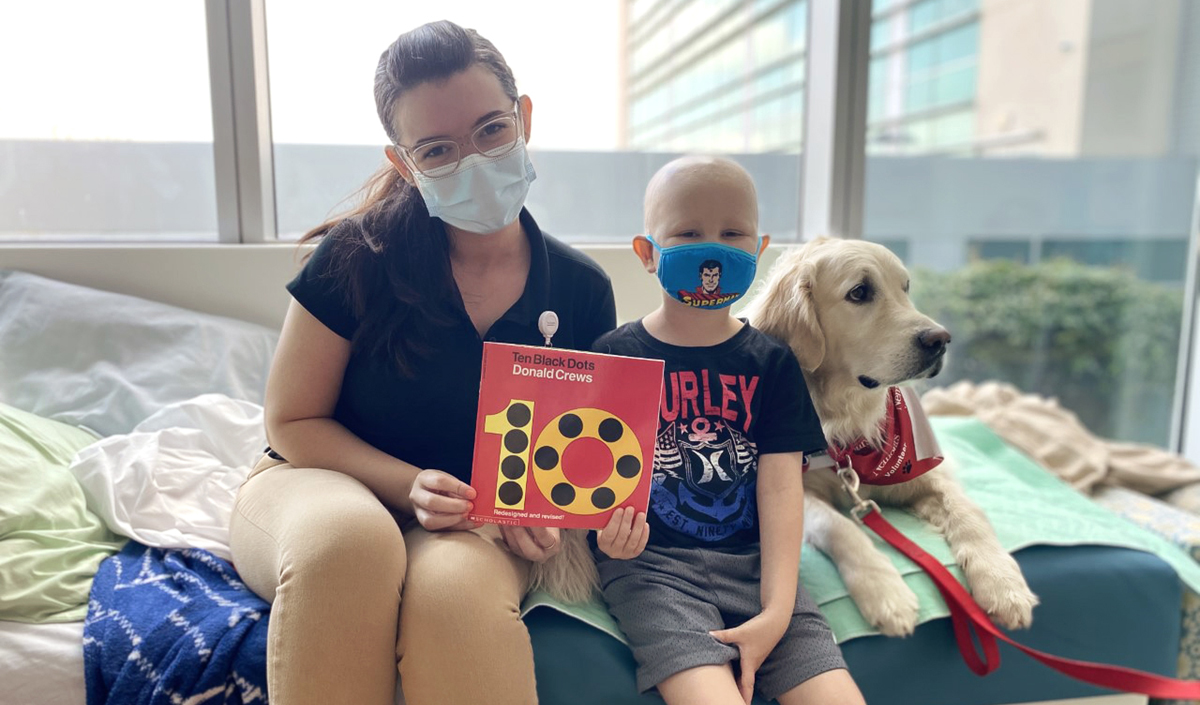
(514, 425)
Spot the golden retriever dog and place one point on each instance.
(843, 307)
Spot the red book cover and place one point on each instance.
(563, 438)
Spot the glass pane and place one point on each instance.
(878, 83)
(919, 95)
(921, 57)
(961, 43)
(640, 9)
(923, 14)
(722, 76)
(107, 130)
(954, 129)
(737, 87)
(881, 33)
(917, 135)
(954, 8)
(693, 17)
(954, 86)
(1039, 179)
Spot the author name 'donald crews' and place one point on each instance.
(549, 366)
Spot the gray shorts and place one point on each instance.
(668, 599)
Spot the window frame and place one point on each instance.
(833, 161)
(831, 185)
(243, 155)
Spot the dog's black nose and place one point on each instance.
(933, 339)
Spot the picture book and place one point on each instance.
(563, 438)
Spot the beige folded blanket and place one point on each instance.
(1055, 438)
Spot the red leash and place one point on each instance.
(968, 617)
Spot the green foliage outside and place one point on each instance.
(1102, 341)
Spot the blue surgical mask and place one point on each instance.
(484, 194)
(707, 274)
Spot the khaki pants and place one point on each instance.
(352, 595)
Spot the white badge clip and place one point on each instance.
(548, 325)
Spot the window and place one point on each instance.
(703, 75)
(881, 33)
(1021, 138)
(921, 58)
(928, 13)
(328, 140)
(941, 70)
(923, 14)
(961, 43)
(1047, 220)
(999, 249)
(107, 131)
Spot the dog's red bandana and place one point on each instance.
(910, 449)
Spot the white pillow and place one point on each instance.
(171, 483)
(107, 361)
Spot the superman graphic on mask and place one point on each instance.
(710, 284)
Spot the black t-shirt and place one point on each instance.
(722, 407)
(428, 419)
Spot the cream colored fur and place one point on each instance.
(570, 575)
(843, 346)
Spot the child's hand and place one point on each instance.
(625, 536)
(755, 639)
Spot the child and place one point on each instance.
(711, 576)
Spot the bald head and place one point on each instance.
(719, 182)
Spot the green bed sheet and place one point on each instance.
(1027, 506)
(50, 544)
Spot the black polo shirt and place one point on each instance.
(428, 419)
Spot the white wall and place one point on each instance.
(246, 281)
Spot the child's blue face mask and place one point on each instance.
(707, 274)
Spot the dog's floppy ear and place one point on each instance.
(785, 308)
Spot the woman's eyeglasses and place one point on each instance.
(494, 138)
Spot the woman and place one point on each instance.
(361, 537)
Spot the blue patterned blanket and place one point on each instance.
(168, 627)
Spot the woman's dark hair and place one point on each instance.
(390, 258)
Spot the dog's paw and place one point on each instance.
(884, 599)
(1006, 597)
(896, 616)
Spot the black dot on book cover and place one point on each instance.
(611, 430)
(512, 467)
(570, 426)
(518, 415)
(510, 493)
(628, 466)
(516, 441)
(603, 498)
(546, 458)
(562, 494)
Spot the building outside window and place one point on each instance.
(1034, 162)
(100, 137)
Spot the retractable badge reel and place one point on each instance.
(548, 326)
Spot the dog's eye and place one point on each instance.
(906, 283)
(859, 294)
